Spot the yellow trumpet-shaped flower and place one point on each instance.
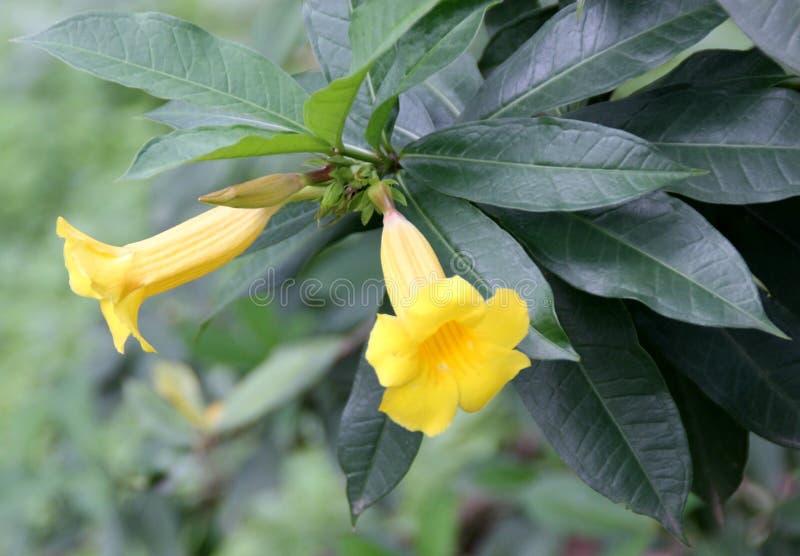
(121, 278)
(447, 346)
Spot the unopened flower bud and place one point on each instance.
(266, 191)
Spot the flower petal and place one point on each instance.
(440, 302)
(506, 321)
(123, 318)
(428, 403)
(479, 383)
(392, 352)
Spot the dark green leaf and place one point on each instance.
(214, 143)
(772, 24)
(717, 443)
(748, 140)
(728, 69)
(656, 249)
(539, 164)
(374, 452)
(377, 24)
(170, 58)
(572, 58)
(287, 371)
(290, 220)
(768, 237)
(752, 375)
(469, 244)
(510, 24)
(610, 416)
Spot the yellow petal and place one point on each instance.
(391, 352)
(446, 300)
(407, 259)
(506, 321)
(123, 320)
(486, 374)
(428, 403)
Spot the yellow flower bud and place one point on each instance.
(266, 191)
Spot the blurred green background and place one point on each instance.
(93, 461)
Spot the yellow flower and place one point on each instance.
(121, 278)
(447, 346)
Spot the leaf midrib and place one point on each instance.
(53, 48)
(557, 76)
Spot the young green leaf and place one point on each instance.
(172, 59)
(656, 249)
(469, 244)
(749, 140)
(374, 452)
(214, 143)
(772, 24)
(610, 416)
(752, 375)
(572, 58)
(326, 111)
(539, 164)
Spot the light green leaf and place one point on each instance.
(572, 58)
(656, 249)
(213, 143)
(377, 24)
(172, 59)
(326, 111)
(179, 114)
(287, 371)
(539, 164)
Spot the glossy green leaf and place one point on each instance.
(214, 143)
(172, 59)
(510, 24)
(572, 58)
(325, 112)
(728, 69)
(377, 24)
(717, 443)
(539, 164)
(748, 140)
(287, 371)
(772, 24)
(656, 249)
(610, 416)
(374, 452)
(752, 375)
(471, 245)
